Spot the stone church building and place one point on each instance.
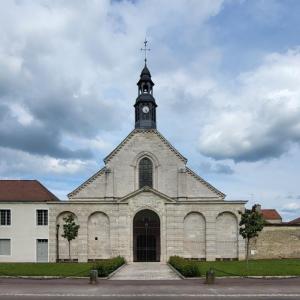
(146, 204)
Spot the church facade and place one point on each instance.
(146, 204)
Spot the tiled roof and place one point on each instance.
(270, 214)
(24, 191)
(296, 221)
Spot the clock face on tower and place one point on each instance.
(145, 109)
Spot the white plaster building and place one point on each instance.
(145, 204)
(24, 232)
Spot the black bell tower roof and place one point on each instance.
(145, 105)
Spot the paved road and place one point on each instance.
(11, 289)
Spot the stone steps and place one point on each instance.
(146, 271)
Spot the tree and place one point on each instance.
(70, 230)
(252, 222)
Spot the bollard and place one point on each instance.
(210, 276)
(93, 276)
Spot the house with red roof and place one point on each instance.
(24, 231)
(271, 216)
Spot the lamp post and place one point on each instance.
(146, 227)
(57, 243)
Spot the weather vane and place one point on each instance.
(145, 49)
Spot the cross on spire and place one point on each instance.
(145, 49)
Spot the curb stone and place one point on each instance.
(114, 272)
(177, 272)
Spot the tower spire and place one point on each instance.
(145, 49)
(145, 106)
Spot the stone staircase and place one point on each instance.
(145, 271)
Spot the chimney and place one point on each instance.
(258, 208)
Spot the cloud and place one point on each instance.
(292, 207)
(20, 164)
(260, 118)
(68, 74)
(64, 73)
(218, 168)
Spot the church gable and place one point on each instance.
(125, 160)
(94, 187)
(132, 134)
(198, 188)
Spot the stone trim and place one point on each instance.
(208, 185)
(118, 200)
(87, 182)
(132, 133)
(206, 201)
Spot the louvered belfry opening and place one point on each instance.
(145, 172)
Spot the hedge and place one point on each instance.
(107, 266)
(187, 268)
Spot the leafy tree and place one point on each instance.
(252, 222)
(70, 230)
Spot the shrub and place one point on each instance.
(187, 268)
(107, 266)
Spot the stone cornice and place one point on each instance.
(173, 202)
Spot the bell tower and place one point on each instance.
(145, 106)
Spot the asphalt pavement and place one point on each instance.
(234, 288)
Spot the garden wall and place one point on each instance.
(276, 241)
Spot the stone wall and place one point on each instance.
(276, 241)
(186, 228)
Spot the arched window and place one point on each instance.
(145, 172)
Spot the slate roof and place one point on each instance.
(24, 191)
(296, 221)
(270, 214)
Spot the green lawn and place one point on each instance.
(45, 269)
(278, 267)
(104, 267)
(264, 267)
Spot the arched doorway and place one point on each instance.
(146, 236)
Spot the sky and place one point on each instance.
(227, 85)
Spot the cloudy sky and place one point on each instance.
(227, 77)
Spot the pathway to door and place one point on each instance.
(146, 271)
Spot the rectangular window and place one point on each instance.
(42, 217)
(5, 217)
(4, 246)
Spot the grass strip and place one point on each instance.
(262, 267)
